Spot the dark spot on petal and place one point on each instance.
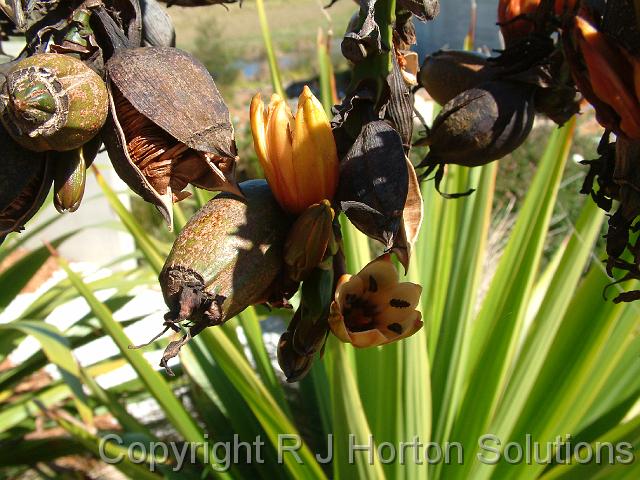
(395, 327)
(397, 303)
(373, 285)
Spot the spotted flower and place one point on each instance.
(373, 308)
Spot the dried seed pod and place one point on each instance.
(70, 174)
(293, 365)
(53, 102)
(482, 124)
(157, 27)
(227, 257)
(25, 179)
(168, 126)
(446, 74)
(374, 182)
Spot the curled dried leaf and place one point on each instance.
(363, 41)
(412, 215)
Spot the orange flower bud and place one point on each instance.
(298, 154)
(512, 16)
(511, 26)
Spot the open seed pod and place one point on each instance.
(228, 256)
(168, 126)
(25, 179)
(53, 102)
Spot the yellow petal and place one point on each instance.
(379, 275)
(403, 296)
(314, 151)
(409, 327)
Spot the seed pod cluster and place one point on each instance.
(168, 125)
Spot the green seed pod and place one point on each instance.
(308, 240)
(53, 102)
(228, 256)
(446, 74)
(70, 173)
(482, 124)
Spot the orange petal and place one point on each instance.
(368, 338)
(280, 152)
(336, 323)
(608, 69)
(314, 151)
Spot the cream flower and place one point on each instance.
(373, 308)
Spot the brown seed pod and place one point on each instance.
(479, 126)
(157, 27)
(53, 102)
(446, 74)
(25, 179)
(227, 257)
(168, 126)
(482, 124)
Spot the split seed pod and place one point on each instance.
(227, 257)
(481, 125)
(53, 102)
(168, 126)
(25, 180)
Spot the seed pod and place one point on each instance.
(157, 28)
(168, 126)
(293, 365)
(481, 125)
(70, 174)
(227, 257)
(25, 179)
(308, 240)
(374, 182)
(446, 74)
(53, 102)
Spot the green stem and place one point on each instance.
(379, 66)
(268, 45)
